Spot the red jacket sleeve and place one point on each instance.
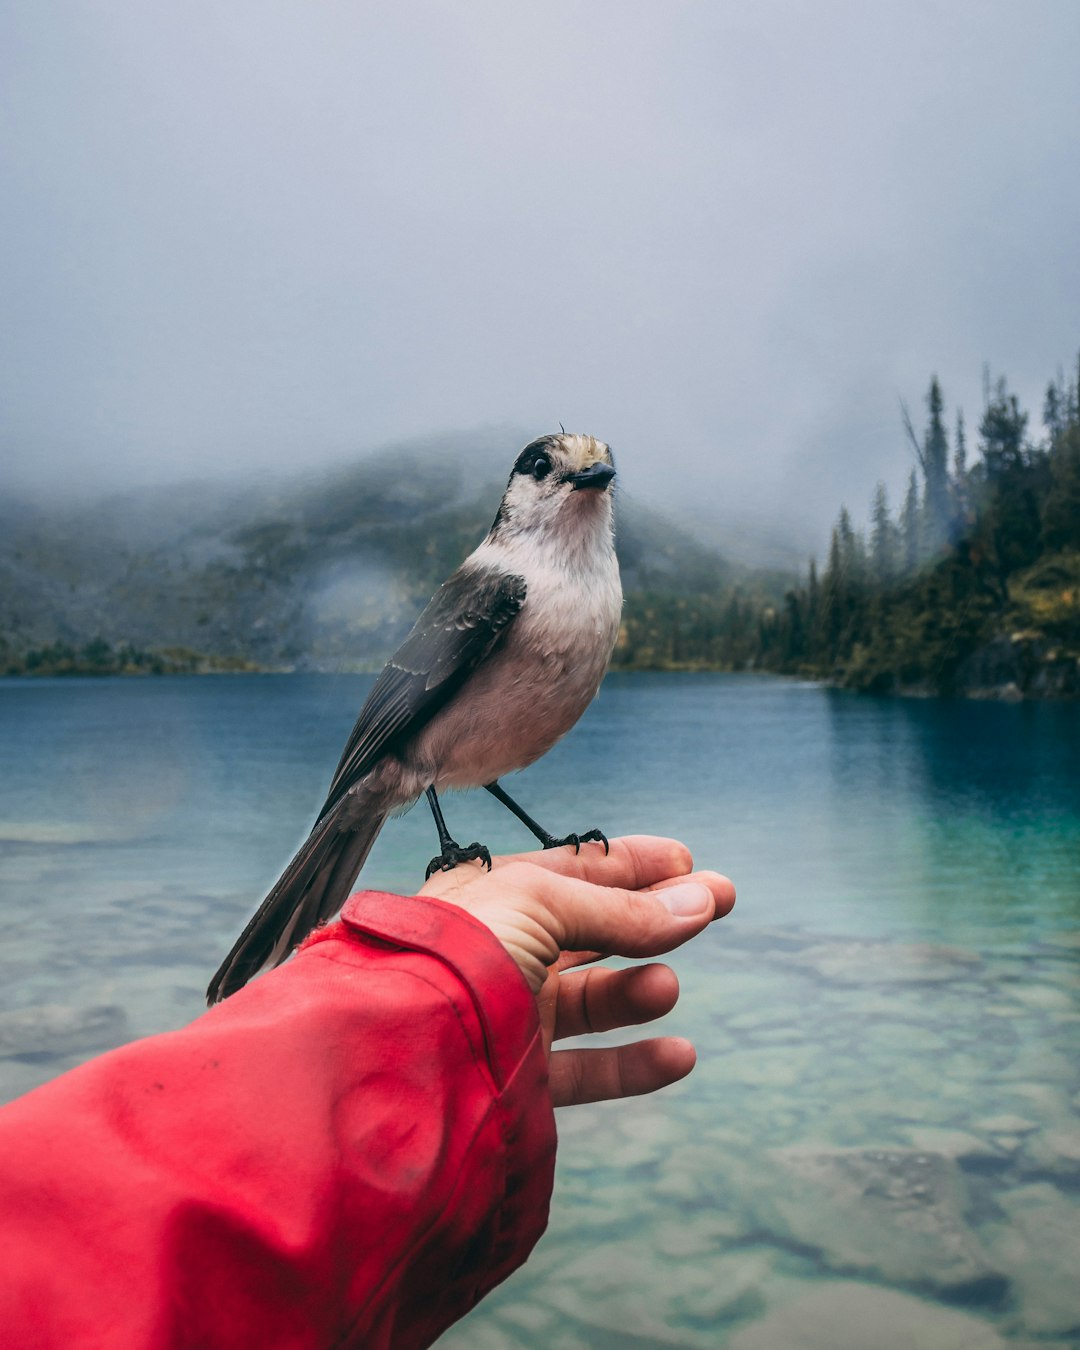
(349, 1152)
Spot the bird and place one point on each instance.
(502, 662)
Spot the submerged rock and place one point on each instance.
(697, 1235)
(1006, 1124)
(895, 1213)
(852, 961)
(958, 1144)
(1041, 1245)
(844, 1315)
(626, 1289)
(1056, 1150)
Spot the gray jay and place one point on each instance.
(506, 657)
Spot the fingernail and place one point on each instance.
(690, 898)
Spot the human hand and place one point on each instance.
(556, 910)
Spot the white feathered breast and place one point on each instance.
(549, 665)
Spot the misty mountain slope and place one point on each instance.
(324, 573)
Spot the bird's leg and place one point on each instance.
(548, 840)
(452, 853)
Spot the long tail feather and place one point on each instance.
(311, 890)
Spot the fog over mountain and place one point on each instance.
(323, 571)
(270, 236)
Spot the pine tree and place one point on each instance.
(1003, 428)
(1061, 506)
(960, 453)
(883, 541)
(1052, 412)
(833, 601)
(1009, 522)
(814, 641)
(1061, 510)
(959, 496)
(909, 527)
(935, 462)
(848, 546)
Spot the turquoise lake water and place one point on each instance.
(880, 1145)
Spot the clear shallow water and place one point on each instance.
(883, 1131)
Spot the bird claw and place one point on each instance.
(454, 854)
(589, 837)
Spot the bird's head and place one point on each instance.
(557, 481)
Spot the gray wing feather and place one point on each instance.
(311, 889)
(463, 621)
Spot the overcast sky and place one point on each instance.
(724, 237)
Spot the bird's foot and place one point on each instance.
(589, 837)
(453, 854)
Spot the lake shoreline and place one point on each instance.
(1055, 681)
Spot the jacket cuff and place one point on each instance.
(504, 1003)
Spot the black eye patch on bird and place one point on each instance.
(535, 460)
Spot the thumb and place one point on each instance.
(544, 913)
(621, 922)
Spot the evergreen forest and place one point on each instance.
(972, 586)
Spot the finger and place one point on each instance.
(722, 887)
(578, 1076)
(600, 999)
(632, 862)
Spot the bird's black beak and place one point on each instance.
(597, 475)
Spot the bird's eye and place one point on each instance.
(541, 467)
